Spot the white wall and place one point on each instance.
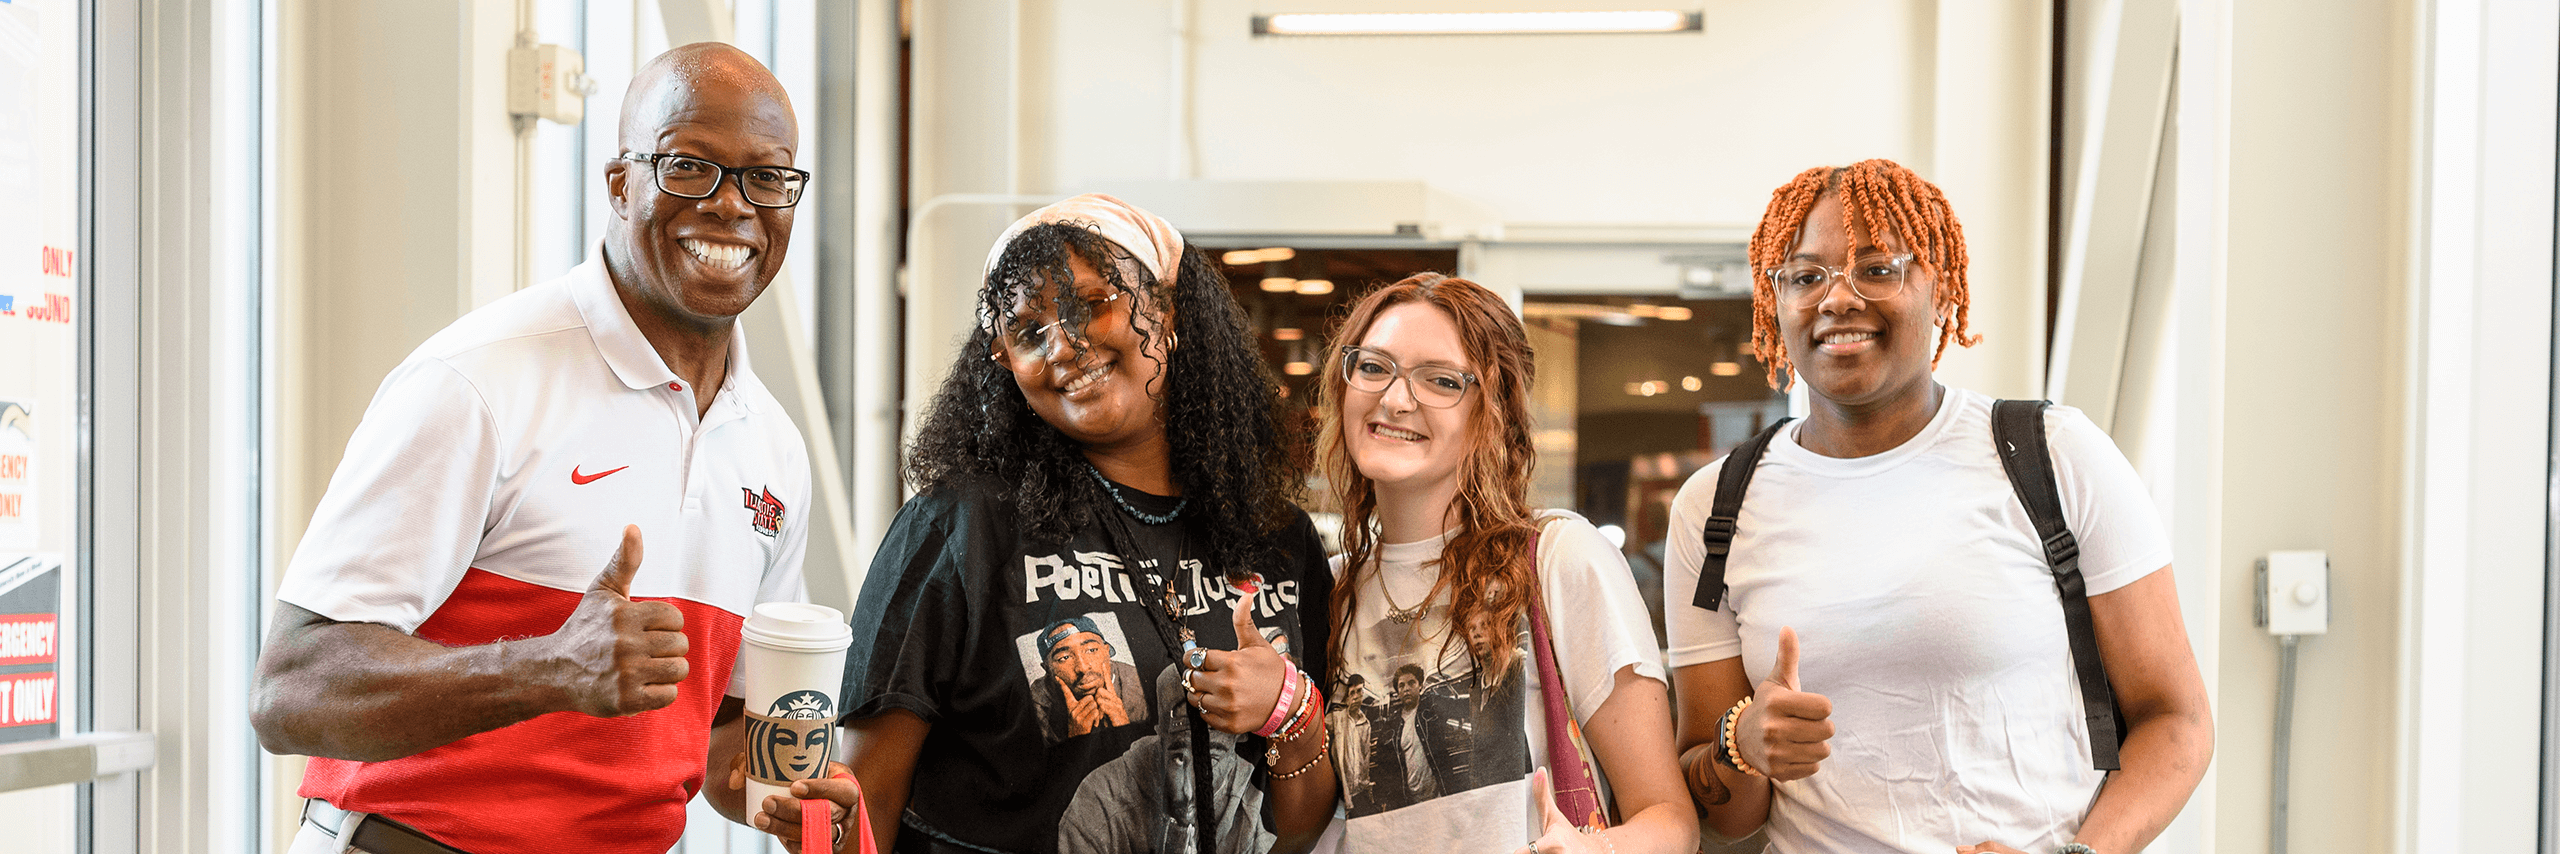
(2311, 408)
(1672, 129)
(1599, 136)
(2390, 406)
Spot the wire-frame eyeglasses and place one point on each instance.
(1435, 386)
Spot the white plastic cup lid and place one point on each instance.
(799, 626)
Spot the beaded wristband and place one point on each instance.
(1732, 745)
(1289, 682)
(1290, 731)
(1323, 747)
(1310, 707)
(1724, 736)
(1297, 715)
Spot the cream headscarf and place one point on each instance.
(1146, 236)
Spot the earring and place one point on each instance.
(1172, 341)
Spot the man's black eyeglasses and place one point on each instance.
(695, 178)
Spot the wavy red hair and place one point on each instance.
(1487, 571)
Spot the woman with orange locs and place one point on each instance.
(1884, 665)
(1438, 727)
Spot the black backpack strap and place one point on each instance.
(2017, 427)
(1730, 484)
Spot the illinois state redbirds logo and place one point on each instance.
(768, 509)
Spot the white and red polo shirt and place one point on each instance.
(485, 489)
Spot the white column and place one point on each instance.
(2479, 401)
(1988, 146)
(877, 321)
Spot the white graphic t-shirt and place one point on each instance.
(1430, 752)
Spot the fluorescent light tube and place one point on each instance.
(1475, 23)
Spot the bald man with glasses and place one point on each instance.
(444, 645)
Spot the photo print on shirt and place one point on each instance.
(1414, 723)
(1142, 799)
(1083, 676)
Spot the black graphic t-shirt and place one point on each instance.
(1058, 721)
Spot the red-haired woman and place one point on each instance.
(1437, 703)
(1888, 666)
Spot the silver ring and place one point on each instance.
(1186, 685)
(1197, 657)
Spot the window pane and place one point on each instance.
(39, 385)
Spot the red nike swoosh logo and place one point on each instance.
(584, 479)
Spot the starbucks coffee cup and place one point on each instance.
(793, 659)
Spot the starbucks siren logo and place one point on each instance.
(791, 742)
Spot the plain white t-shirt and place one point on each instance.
(1924, 610)
(1600, 625)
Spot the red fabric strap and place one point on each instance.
(1575, 791)
(815, 828)
(817, 834)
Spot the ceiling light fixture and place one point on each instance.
(1477, 23)
(1288, 333)
(1241, 257)
(1279, 284)
(1315, 287)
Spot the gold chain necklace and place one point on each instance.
(1394, 612)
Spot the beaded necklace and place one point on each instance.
(1113, 490)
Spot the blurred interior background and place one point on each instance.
(2296, 256)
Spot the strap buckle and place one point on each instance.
(1719, 532)
(2061, 549)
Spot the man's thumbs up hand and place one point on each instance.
(615, 656)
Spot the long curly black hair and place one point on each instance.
(1219, 403)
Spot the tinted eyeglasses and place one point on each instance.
(1039, 341)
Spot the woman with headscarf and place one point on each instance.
(1065, 640)
(1882, 658)
(1497, 632)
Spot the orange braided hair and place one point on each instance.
(1884, 198)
